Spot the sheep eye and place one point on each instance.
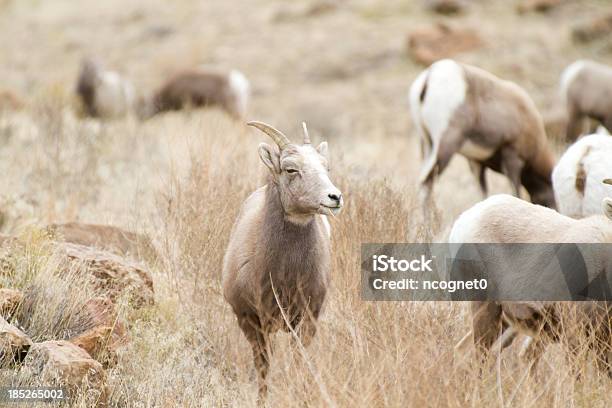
(291, 171)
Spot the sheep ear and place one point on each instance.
(322, 149)
(270, 157)
(607, 207)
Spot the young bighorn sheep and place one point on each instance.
(506, 219)
(458, 108)
(202, 87)
(104, 94)
(586, 87)
(578, 174)
(276, 267)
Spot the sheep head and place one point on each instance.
(301, 174)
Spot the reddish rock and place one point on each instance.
(429, 44)
(105, 237)
(101, 343)
(110, 274)
(61, 363)
(9, 301)
(597, 28)
(108, 333)
(14, 344)
(9, 101)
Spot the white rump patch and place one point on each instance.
(569, 74)
(446, 91)
(414, 101)
(591, 153)
(242, 89)
(114, 95)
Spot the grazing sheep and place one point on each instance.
(586, 87)
(104, 94)
(578, 174)
(458, 108)
(276, 267)
(202, 87)
(506, 219)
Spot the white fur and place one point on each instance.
(446, 91)
(326, 225)
(414, 96)
(241, 88)
(114, 95)
(597, 164)
(466, 227)
(569, 74)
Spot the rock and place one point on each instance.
(429, 44)
(14, 344)
(9, 101)
(110, 274)
(446, 7)
(61, 363)
(9, 301)
(101, 343)
(539, 6)
(106, 237)
(108, 333)
(599, 27)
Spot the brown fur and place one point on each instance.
(86, 86)
(499, 115)
(195, 88)
(581, 174)
(276, 267)
(589, 95)
(273, 251)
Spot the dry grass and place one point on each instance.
(182, 177)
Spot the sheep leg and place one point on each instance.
(258, 340)
(607, 123)
(443, 151)
(512, 167)
(486, 325)
(479, 171)
(531, 351)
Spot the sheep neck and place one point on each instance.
(296, 259)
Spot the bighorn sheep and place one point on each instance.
(578, 174)
(104, 94)
(202, 87)
(492, 122)
(506, 219)
(276, 267)
(586, 87)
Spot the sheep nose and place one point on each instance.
(335, 197)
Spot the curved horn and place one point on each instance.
(306, 136)
(279, 138)
(608, 181)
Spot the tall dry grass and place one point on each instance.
(182, 177)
